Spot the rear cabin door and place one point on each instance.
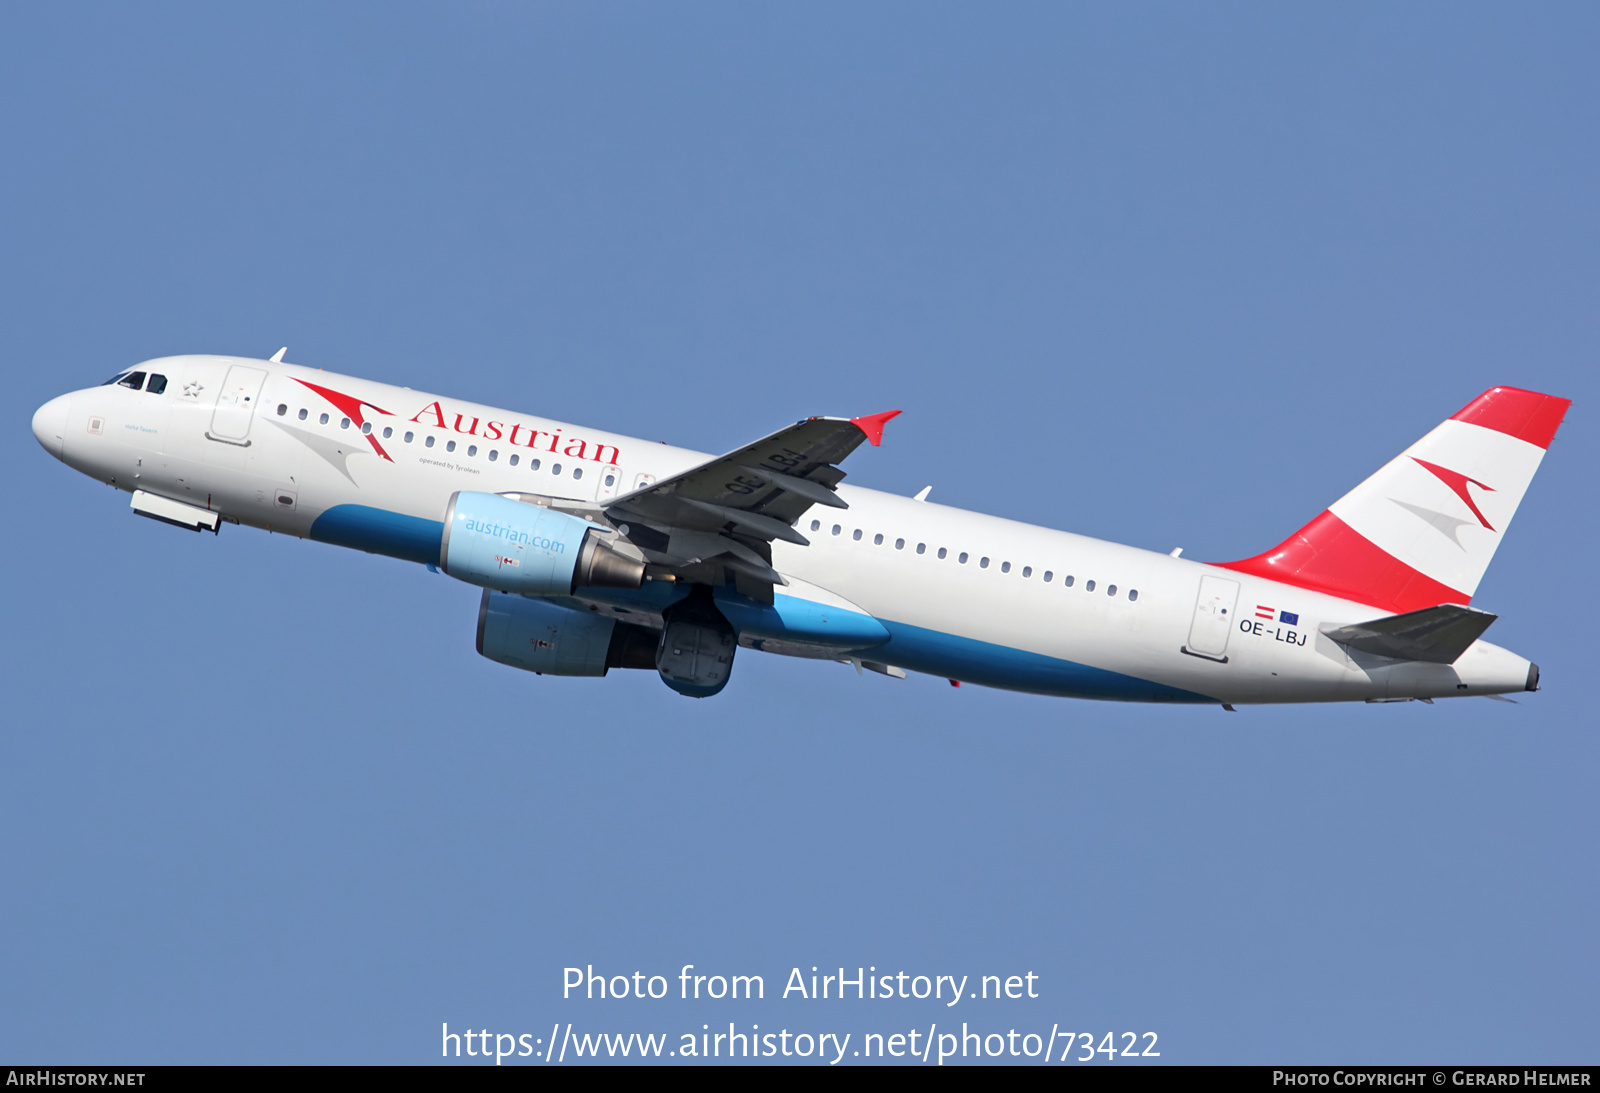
(610, 480)
(1213, 617)
(236, 405)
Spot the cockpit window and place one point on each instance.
(133, 380)
(113, 379)
(157, 384)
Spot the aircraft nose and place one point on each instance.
(50, 424)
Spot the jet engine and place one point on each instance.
(693, 652)
(695, 657)
(512, 546)
(539, 636)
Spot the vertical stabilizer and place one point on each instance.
(1422, 530)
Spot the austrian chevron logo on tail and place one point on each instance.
(1367, 546)
(1458, 482)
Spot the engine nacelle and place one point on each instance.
(511, 546)
(695, 656)
(539, 636)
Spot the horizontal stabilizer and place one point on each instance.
(1438, 635)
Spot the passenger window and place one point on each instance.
(428, 443)
(963, 558)
(1111, 590)
(133, 381)
(877, 540)
(837, 529)
(1133, 594)
(366, 428)
(983, 563)
(922, 548)
(1005, 567)
(1066, 582)
(449, 445)
(1088, 586)
(408, 437)
(577, 472)
(513, 459)
(472, 449)
(283, 408)
(856, 535)
(158, 385)
(899, 544)
(816, 525)
(493, 454)
(388, 431)
(344, 423)
(1047, 575)
(555, 468)
(533, 464)
(302, 414)
(323, 420)
(943, 553)
(1027, 571)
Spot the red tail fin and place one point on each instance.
(1423, 529)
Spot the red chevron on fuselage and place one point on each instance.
(350, 407)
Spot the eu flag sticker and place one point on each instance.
(1289, 618)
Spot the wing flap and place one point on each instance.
(814, 492)
(765, 526)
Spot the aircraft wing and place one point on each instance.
(1438, 635)
(728, 510)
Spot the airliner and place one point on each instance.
(598, 551)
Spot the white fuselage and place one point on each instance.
(963, 595)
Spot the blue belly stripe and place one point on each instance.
(991, 665)
(379, 531)
(914, 648)
(791, 618)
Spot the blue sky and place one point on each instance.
(1172, 275)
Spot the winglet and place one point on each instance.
(277, 358)
(872, 425)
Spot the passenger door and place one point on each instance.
(1213, 618)
(236, 405)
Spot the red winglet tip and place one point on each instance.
(872, 425)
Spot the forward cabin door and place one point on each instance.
(1213, 617)
(610, 481)
(236, 405)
